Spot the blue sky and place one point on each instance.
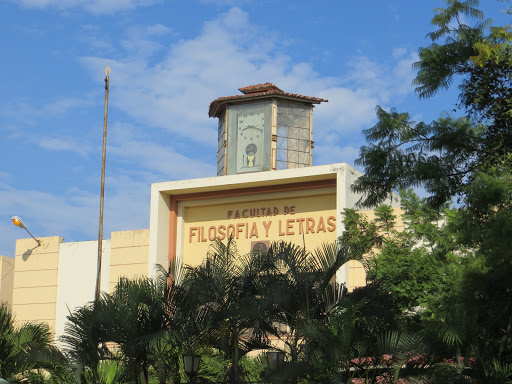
(169, 60)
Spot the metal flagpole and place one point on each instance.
(100, 235)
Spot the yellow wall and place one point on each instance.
(6, 279)
(398, 212)
(35, 280)
(35, 286)
(356, 274)
(129, 255)
(293, 219)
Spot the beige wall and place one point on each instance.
(128, 255)
(356, 276)
(35, 280)
(398, 212)
(55, 277)
(355, 271)
(6, 279)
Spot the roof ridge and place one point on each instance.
(258, 91)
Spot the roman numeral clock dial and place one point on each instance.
(250, 135)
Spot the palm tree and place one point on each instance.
(26, 350)
(134, 317)
(141, 324)
(84, 341)
(299, 290)
(242, 299)
(108, 372)
(227, 305)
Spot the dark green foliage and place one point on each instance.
(27, 351)
(468, 308)
(411, 262)
(140, 326)
(445, 155)
(84, 340)
(401, 153)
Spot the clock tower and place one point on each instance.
(263, 129)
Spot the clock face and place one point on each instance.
(250, 135)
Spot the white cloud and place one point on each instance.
(24, 116)
(226, 2)
(158, 157)
(399, 52)
(165, 99)
(63, 105)
(157, 30)
(329, 154)
(24, 111)
(62, 144)
(93, 6)
(174, 93)
(47, 214)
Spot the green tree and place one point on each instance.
(466, 158)
(84, 342)
(226, 305)
(414, 262)
(27, 351)
(445, 155)
(134, 318)
(138, 328)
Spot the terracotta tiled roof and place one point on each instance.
(258, 91)
(264, 87)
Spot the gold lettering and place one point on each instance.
(321, 225)
(281, 233)
(212, 235)
(203, 238)
(289, 227)
(300, 220)
(239, 228)
(266, 224)
(254, 230)
(222, 232)
(192, 233)
(310, 225)
(331, 222)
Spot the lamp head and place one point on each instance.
(17, 222)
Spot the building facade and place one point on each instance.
(266, 190)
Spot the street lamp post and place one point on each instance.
(191, 365)
(19, 223)
(275, 359)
